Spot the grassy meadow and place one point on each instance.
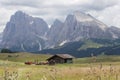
(12, 67)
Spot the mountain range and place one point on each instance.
(31, 34)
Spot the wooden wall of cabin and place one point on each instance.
(58, 60)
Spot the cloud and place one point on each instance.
(28, 3)
(100, 4)
(110, 15)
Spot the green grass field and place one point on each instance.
(12, 67)
(22, 57)
(90, 44)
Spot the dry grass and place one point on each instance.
(91, 72)
(81, 70)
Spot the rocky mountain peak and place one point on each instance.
(24, 33)
(19, 16)
(87, 18)
(82, 17)
(78, 26)
(56, 22)
(18, 13)
(53, 33)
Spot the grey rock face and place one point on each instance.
(24, 33)
(79, 26)
(53, 34)
(0, 37)
(114, 31)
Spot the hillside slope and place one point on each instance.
(23, 56)
(87, 47)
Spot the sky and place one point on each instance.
(107, 11)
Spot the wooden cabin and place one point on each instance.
(60, 58)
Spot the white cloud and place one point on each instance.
(110, 15)
(101, 4)
(107, 11)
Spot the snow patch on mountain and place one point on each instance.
(40, 47)
(31, 22)
(61, 44)
(22, 47)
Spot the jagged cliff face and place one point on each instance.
(78, 26)
(0, 37)
(53, 34)
(114, 31)
(24, 33)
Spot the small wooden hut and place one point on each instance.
(60, 58)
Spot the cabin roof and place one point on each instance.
(64, 56)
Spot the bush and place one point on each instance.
(6, 51)
(9, 55)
